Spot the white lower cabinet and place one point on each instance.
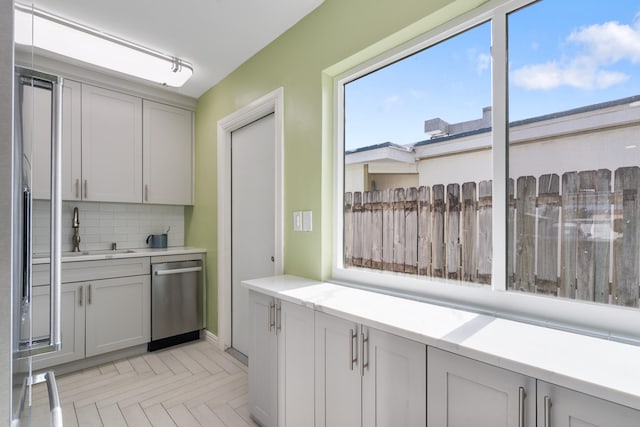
(281, 363)
(72, 323)
(366, 377)
(462, 392)
(97, 317)
(561, 407)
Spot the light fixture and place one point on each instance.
(59, 35)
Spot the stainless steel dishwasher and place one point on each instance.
(176, 303)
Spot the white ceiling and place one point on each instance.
(216, 36)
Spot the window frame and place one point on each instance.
(555, 312)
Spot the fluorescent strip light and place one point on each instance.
(52, 33)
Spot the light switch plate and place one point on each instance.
(307, 221)
(297, 221)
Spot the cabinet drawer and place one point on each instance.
(80, 271)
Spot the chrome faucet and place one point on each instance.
(76, 230)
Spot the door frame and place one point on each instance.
(272, 102)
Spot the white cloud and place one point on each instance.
(602, 45)
(483, 61)
(388, 103)
(418, 93)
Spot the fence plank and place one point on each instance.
(367, 230)
(411, 231)
(356, 258)
(424, 231)
(376, 230)
(511, 236)
(625, 247)
(604, 238)
(485, 242)
(586, 250)
(452, 234)
(398, 229)
(348, 228)
(548, 227)
(387, 230)
(437, 242)
(569, 235)
(469, 232)
(525, 233)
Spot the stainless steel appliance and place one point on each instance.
(177, 313)
(31, 89)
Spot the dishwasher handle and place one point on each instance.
(177, 271)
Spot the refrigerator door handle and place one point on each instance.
(53, 341)
(27, 255)
(54, 399)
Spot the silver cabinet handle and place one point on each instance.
(85, 189)
(89, 296)
(278, 318)
(146, 192)
(177, 271)
(80, 296)
(353, 342)
(54, 399)
(521, 396)
(272, 321)
(364, 341)
(77, 188)
(547, 411)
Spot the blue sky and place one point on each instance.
(560, 56)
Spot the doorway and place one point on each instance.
(252, 218)
(234, 135)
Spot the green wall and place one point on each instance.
(336, 36)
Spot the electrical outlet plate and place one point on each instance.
(297, 221)
(307, 221)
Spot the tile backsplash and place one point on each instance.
(102, 224)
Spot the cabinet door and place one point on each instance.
(295, 326)
(39, 135)
(72, 324)
(167, 154)
(568, 408)
(111, 146)
(394, 385)
(338, 380)
(117, 313)
(465, 393)
(263, 360)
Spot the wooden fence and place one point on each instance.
(572, 236)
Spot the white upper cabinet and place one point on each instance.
(111, 146)
(38, 110)
(167, 154)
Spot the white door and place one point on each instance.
(253, 192)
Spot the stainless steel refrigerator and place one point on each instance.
(20, 88)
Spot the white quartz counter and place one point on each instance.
(605, 369)
(121, 253)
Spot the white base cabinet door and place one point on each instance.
(263, 361)
(462, 392)
(394, 384)
(117, 314)
(71, 323)
(281, 363)
(561, 407)
(366, 377)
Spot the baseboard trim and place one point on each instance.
(211, 337)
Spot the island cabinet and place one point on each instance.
(280, 363)
(367, 377)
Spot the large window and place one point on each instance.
(522, 176)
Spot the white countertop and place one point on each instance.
(601, 368)
(121, 253)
